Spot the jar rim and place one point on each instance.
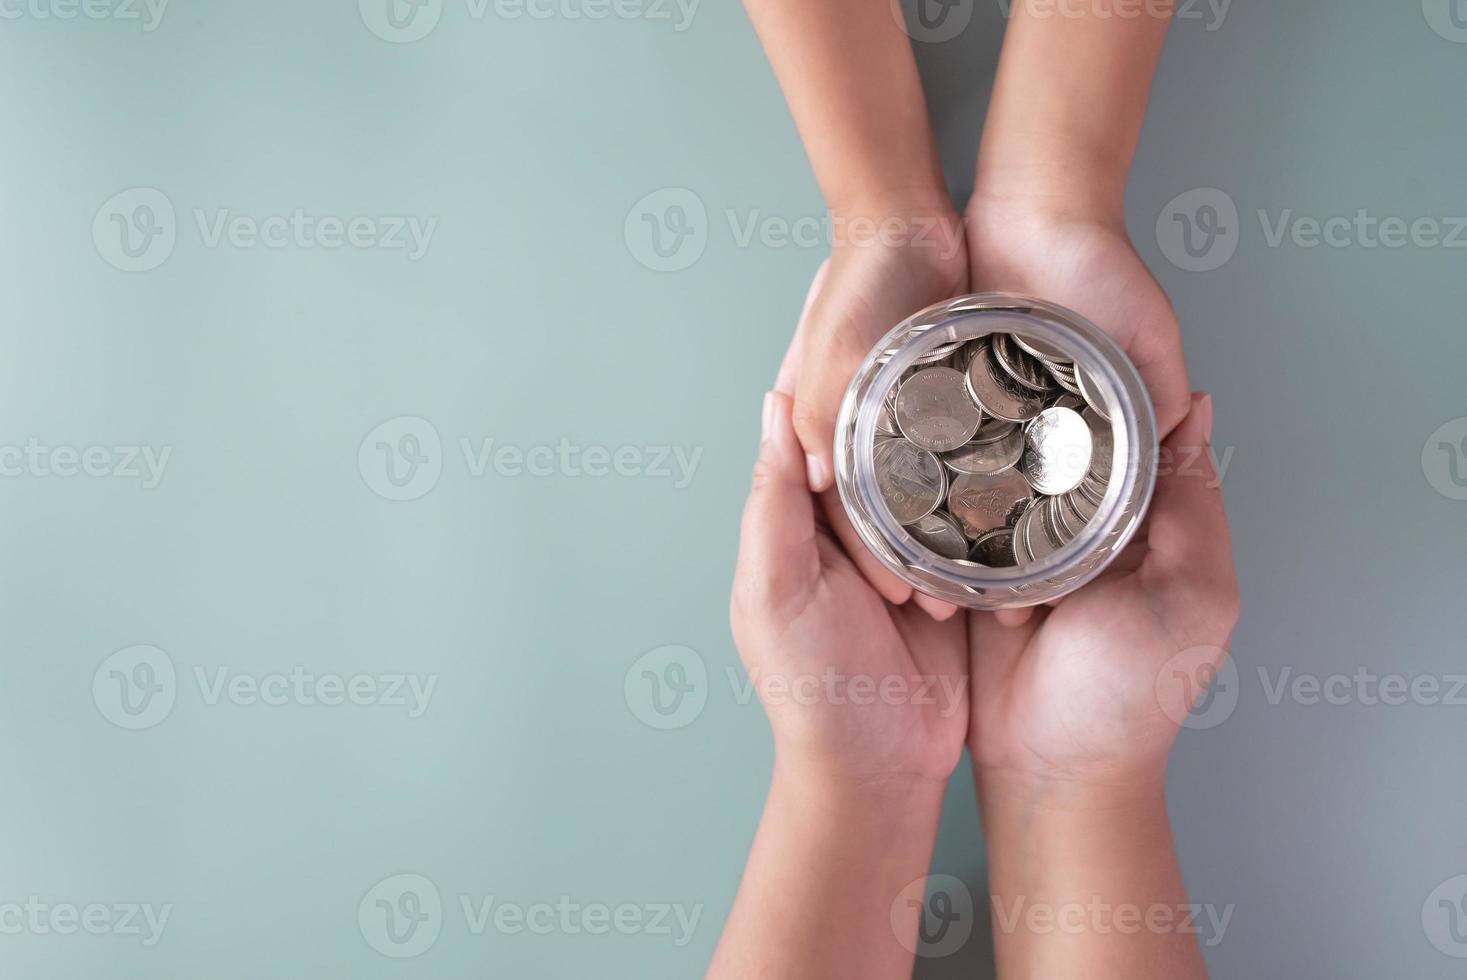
(966, 318)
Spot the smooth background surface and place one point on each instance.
(531, 774)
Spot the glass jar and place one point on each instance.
(1108, 386)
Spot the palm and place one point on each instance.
(1073, 692)
(877, 689)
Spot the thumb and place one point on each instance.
(824, 375)
(778, 556)
(1190, 553)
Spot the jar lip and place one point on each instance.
(1118, 385)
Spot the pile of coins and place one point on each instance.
(994, 451)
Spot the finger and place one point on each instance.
(1187, 537)
(778, 556)
(789, 368)
(829, 360)
(892, 589)
(1013, 617)
(938, 609)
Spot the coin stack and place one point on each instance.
(993, 452)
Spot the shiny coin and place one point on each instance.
(941, 535)
(1091, 393)
(940, 353)
(986, 458)
(1073, 402)
(983, 503)
(994, 429)
(935, 411)
(1040, 349)
(1103, 442)
(1057, 450)
(1039, 539)
(885, 420)
(995, 549)
(999, 394)
(1023, 367)
(912, 481)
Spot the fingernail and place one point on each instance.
(816, 471)
(1204, 409)
(768, 416)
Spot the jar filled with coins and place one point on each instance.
(996, 451)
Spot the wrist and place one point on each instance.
(1002, 199)
(923, 224)
(881, 797)
(1119, 793)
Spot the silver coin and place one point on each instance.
(984, 503)
(912, 481)
(1065, 379)
(994, 429)
(1022, 367)
(1065, 526)
(940, 353)
(940, 534)
(1091, 393)
(886, 420)
(987, 458)
(995, 549)
(1067, 400)
(1023, 551)
(935, 411)
(1102, 439)
(1042, 350)
(1082, 506)
(1000, 395)
(1057, 450)
(1039, 536)
(1075, 515)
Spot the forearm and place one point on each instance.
(1085, 882)
(828, 861)
(848, 74)
(1068, 102)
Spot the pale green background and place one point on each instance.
(530, 321)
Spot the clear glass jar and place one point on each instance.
(1111, 387)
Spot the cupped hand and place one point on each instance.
(879, 274)
(1088, 264)
(857, 690)
(1081, 693)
